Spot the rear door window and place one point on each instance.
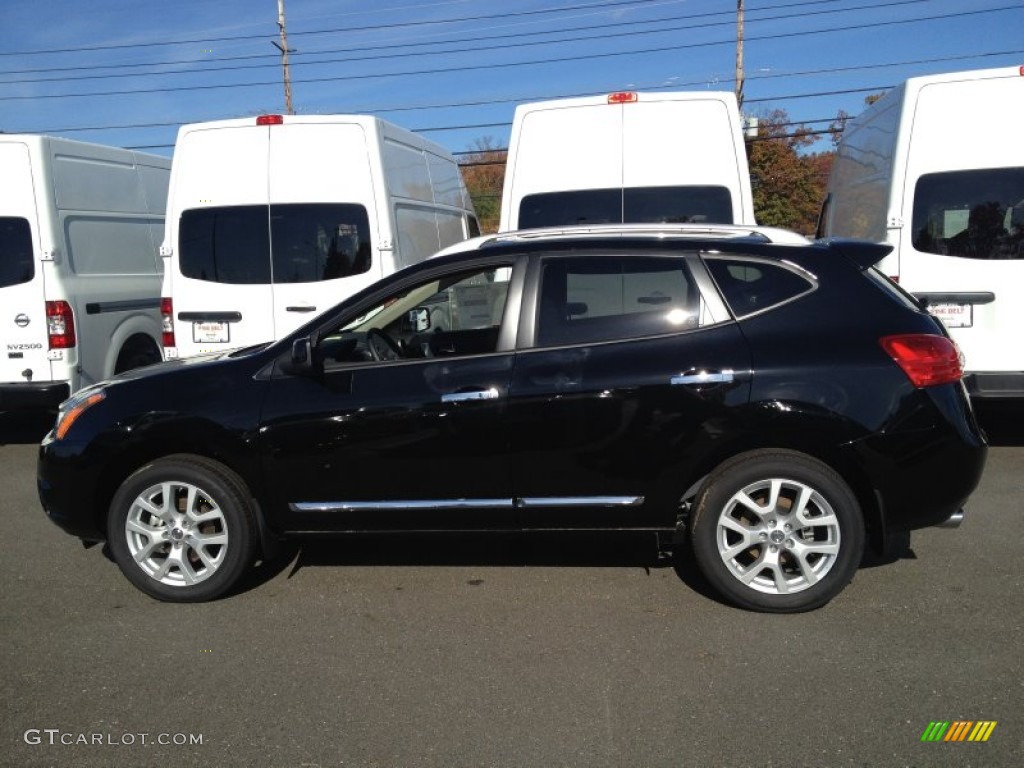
(630, 205)
(605, 298)
(283, 243)
(312, 242)
(16, 263)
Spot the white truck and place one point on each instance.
(627, 158)
(80, 229)
(272, 219)
(936, 168)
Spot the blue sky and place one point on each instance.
(129, 72)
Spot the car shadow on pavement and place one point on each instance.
(25, 427)
(526, 550)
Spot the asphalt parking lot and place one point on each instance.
(509, 651)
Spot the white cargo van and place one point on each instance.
(627, 158)
(271, 219)
(80, 228)
(936, 168)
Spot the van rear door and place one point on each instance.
(684, 161)
(323, 224)
(23, 329)
(220, 277)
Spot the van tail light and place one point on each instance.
(167, 322)
(60, 325)
(927, 359)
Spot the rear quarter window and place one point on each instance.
(751, 285)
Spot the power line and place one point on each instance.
(404, 46)
(348, 30)
(548, 96)
(556, 60)
(405, 54)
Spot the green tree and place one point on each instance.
(788, 183)
(483, 170)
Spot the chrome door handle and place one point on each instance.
(476, 394)
(704, 377)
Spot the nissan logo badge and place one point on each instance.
(21, 320)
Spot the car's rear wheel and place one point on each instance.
(182, 529)
(777, 531)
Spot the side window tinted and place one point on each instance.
(16, 262)
(454, 315)
(751, 285)
(976, 214)
(604, 298)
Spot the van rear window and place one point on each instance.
(631, 205)
(977, 214)
(283, 243)
(16, 263)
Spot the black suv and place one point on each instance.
(778, 403)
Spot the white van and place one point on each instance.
(936, 168)
(80, 228)
(271, 219)
(627, 158)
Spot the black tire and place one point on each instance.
(744, 548)
(138, 352)
(194, 550)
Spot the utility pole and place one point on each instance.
(283, 47)
(739, 53)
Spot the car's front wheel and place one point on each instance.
(182, 529)
(777, 531)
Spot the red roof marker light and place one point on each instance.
(622, 97)
(270, 120)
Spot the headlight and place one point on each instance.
(74, 407)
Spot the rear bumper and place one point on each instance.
(995, 386)
(33, 394)
(926, 463)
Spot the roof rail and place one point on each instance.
(724, 231)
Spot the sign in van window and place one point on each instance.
(976, 214)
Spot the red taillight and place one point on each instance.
(60, 324)
(926, 359)
(167, 322)
(622, 97)
(270, 120)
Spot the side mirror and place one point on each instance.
(299, 361)
(418, 320)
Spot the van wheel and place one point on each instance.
(138, 351)
(777, 531)
(182, 529)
